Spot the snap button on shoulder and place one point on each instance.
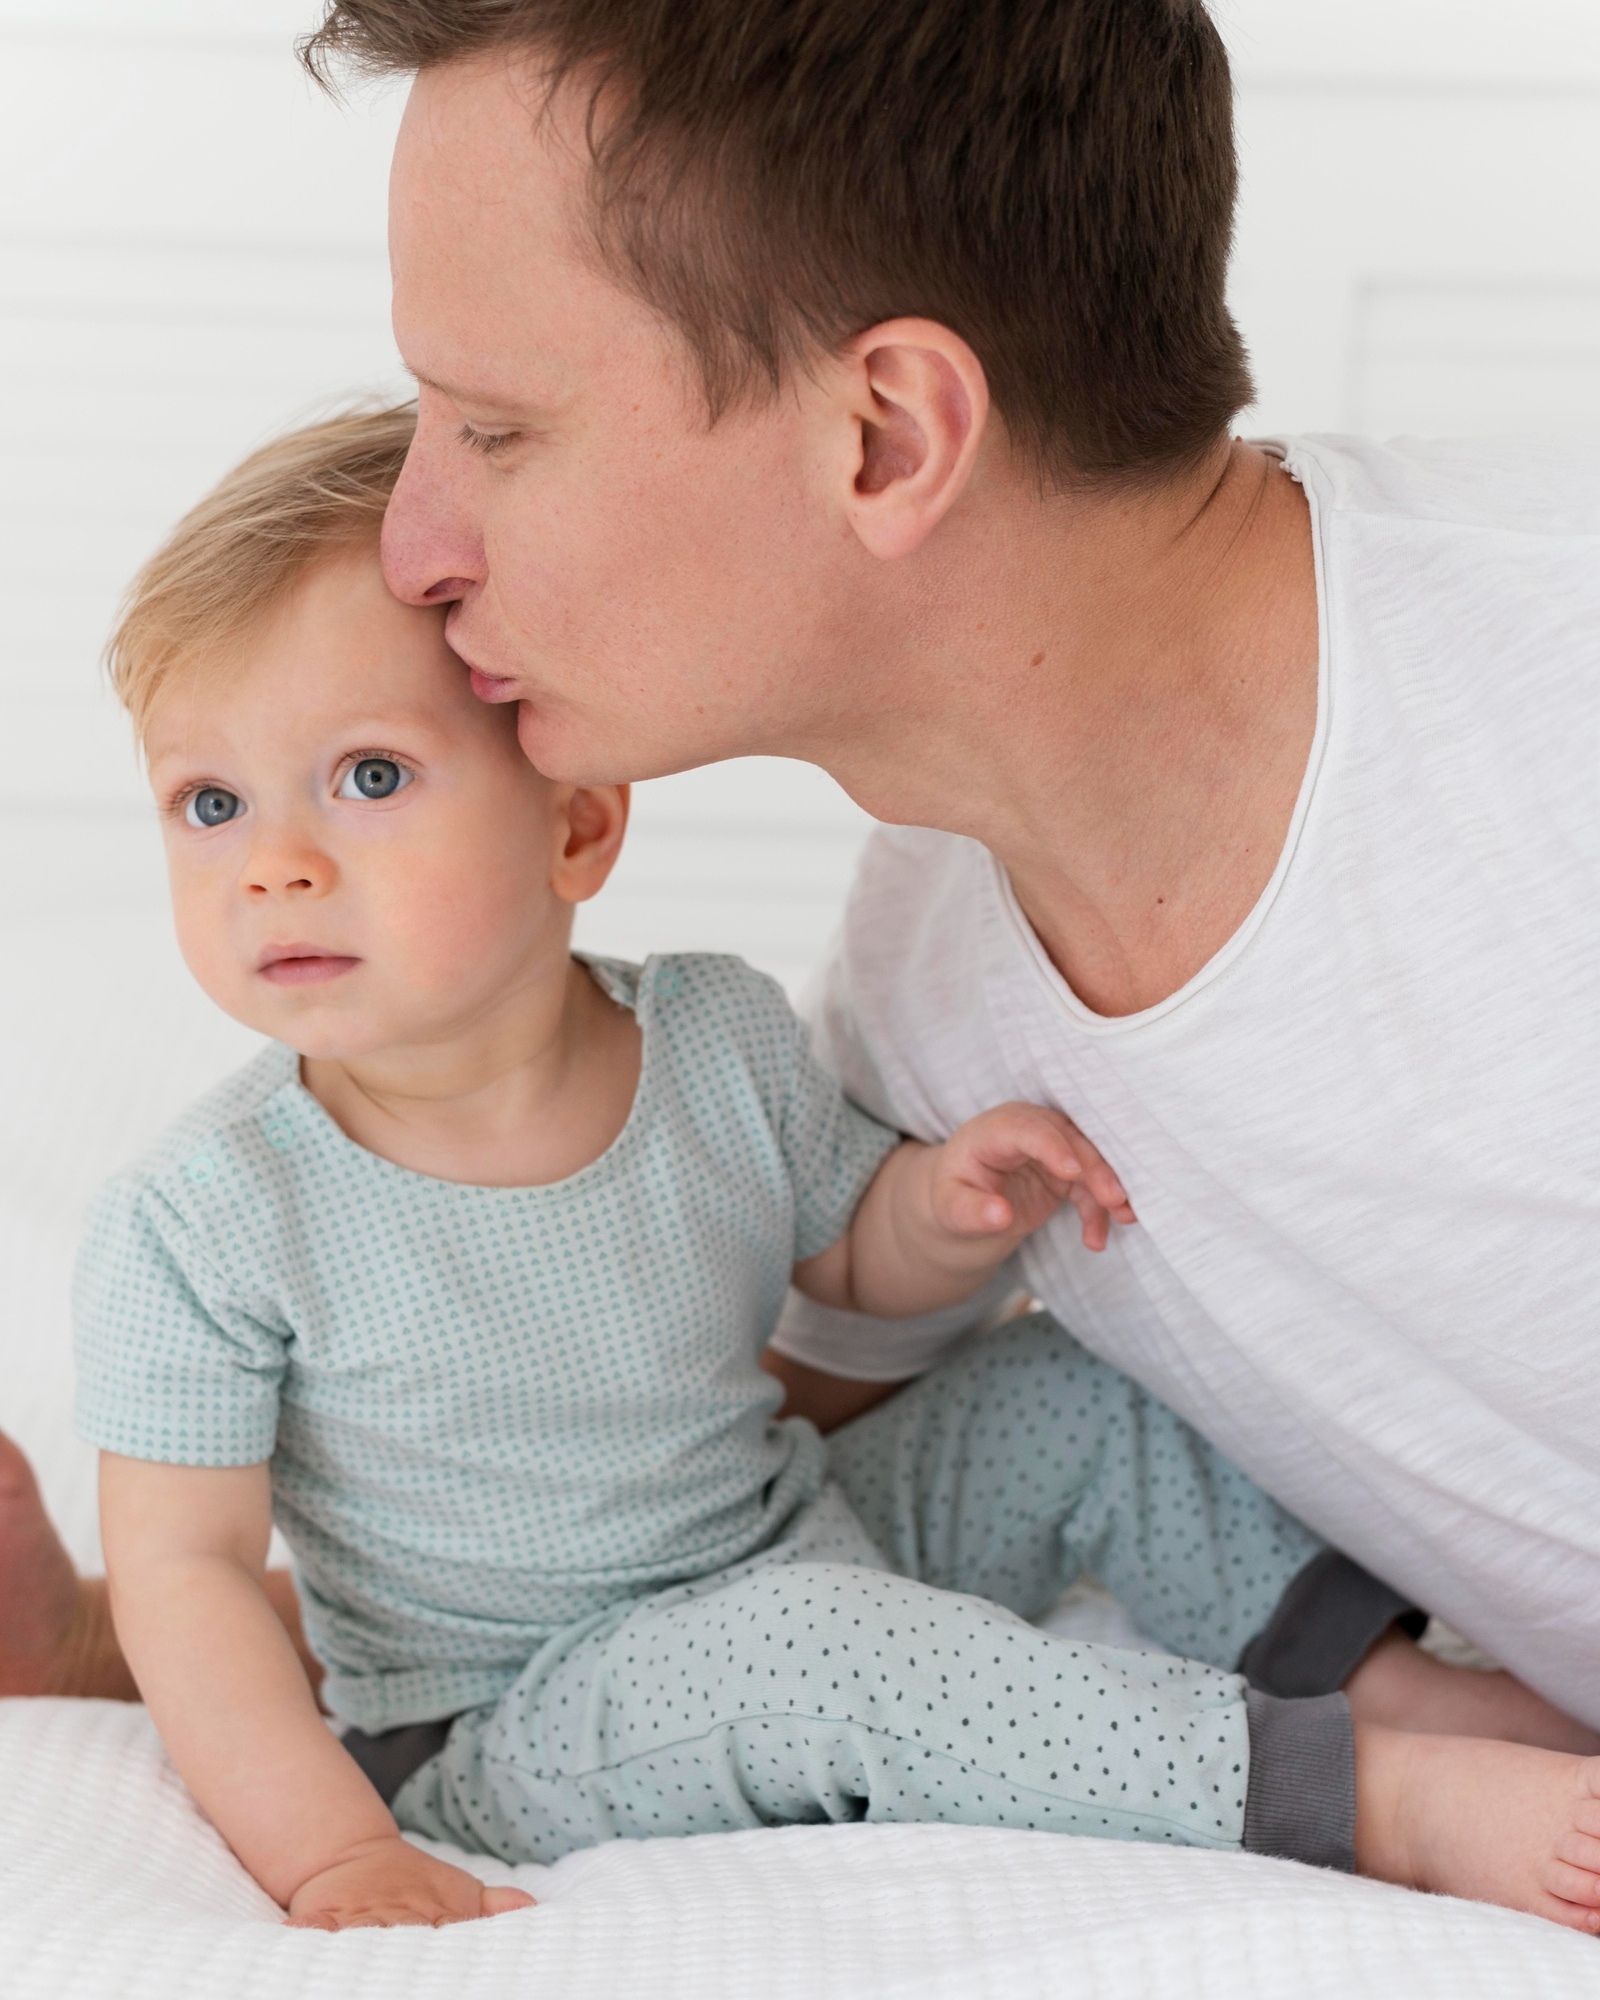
(202, 1169)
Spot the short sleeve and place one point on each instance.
(832, 1148)
(171, 1366)
(865, 1349)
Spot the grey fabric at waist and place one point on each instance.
(389, 1758)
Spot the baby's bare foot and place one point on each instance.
(55, 1629)
(1493, 1822)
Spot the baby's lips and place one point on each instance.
(304, 965)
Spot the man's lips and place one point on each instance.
(303, 965)
(491, 687)
(486, 686)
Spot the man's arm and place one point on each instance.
(185, 1552)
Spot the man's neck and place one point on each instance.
(1118, 697)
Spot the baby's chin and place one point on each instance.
(317, 1021)
(360, 1013)
(357, 1036)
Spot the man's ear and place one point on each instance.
(918, 404)
(590, 821)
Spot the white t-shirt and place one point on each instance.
(1364, 1141)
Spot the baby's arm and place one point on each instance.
(186, 1551)
(938, 1221)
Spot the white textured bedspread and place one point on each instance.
(112, 1887)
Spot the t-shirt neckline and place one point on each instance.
(630, 986)
(1302, 469)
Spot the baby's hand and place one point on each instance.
(1007, 1171)
(391, 1882)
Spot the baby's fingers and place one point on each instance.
(1030, 1136)
(1050, 1140)
(500, 1902)
(1095, 1220)
(1099, 1180)
(976, 1211)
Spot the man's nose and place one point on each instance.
(432, 536)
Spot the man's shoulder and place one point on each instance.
(907, 872)
(1522, 486)
(918, 904)
(902, 1001)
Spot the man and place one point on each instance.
(856, 385)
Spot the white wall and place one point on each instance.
(1419, 247)
(191, 255)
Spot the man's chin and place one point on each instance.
(562, 753)
(575, 749)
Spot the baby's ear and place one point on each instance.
(590, 821)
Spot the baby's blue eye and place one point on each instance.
(374, 778)
(212, 806)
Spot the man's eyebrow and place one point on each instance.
(458, 394)
(427, 382)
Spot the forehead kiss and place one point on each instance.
(638, 572)
(337, 658)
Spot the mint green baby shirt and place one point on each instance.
(492, 1413)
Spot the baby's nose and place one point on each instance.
(299, 882)
(293, 875)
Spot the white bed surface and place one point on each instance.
(111, 1884)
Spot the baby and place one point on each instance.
(467, 1277)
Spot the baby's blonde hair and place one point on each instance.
(233, 558)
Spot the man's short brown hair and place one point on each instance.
(1051, 179)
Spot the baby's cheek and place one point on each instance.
(199, 922)
(214, 955)
(452, 922)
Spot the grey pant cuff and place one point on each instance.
(1326, 1622)
(1301, 1800)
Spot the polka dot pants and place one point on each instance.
(874, 1664)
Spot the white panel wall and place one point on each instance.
(1418, 245)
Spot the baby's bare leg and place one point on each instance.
(1493, 1822)
(56, 1635)
(1401, 1687)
